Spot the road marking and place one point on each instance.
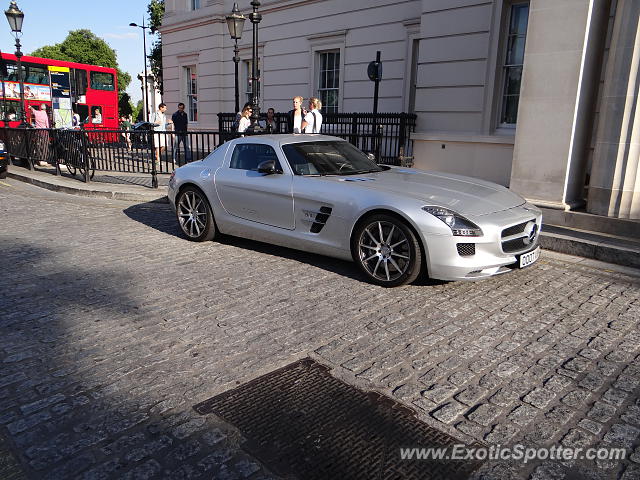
(6, 184)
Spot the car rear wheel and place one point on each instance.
(387, 251)
(195, 216)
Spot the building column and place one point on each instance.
(562, 67)
(614, 188)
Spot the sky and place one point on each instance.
(47, 22)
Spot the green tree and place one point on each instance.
(156, 14)
(83, 46)
(124, 104)
(138, 111)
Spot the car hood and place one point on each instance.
(464, 195)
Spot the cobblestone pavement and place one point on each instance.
(112, 327)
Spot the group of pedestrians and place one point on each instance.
(180, 122)
(299, 120)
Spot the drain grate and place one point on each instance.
(301, 421)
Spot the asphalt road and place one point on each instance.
(112, 327)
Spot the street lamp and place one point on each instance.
(255, 18)
(235, 22)
(144, 43)
(14, 17)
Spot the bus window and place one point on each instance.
(37, 74)
(79, 83)
(102, 81)
(96, 115)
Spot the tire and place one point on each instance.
(71, 168)
(195, 216)
(386, 250)
(92, 168)
(3, 172)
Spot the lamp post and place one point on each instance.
(144, 43)
(235, 22)
(14, 17)
(255, 18)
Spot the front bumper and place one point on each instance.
(444, 262)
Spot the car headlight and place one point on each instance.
(1, 145)
(460, 226)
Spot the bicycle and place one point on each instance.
(75, 152)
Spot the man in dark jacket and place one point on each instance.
(180, 123)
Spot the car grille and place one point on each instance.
(519, 237)
(466, 249)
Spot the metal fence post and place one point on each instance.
(154, 167)
(27, 132)
(85, 155)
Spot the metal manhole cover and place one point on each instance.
(301, 421)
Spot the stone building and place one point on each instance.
(565, 73)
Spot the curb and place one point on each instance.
(127, 196)
(589, 249)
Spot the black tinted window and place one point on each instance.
(248, 156)
(327, 158)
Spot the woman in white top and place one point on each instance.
(313, 119)
(244, 122)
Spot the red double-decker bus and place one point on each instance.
(89, 92)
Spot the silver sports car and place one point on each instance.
(321, 194)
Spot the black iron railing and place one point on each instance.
(386, 135)
(127, 151)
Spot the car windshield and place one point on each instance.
(327, 158)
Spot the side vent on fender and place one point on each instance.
(317, 218)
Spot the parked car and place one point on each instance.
(4, 160)
(321, 194)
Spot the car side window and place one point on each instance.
(247, 156)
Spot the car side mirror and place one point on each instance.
(268, 167)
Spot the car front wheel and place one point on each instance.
(387, 251)
(195, 216)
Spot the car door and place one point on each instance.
(248, 194)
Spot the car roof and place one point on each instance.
(286, 138)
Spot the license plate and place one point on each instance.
(527, 259)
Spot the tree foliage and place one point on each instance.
(124, 104)
(156, 14)
(83, 46)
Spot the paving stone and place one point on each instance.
(601, 412)
(627, 383)
(539, 397)
(576, 398)
(484, 414)
(560, 414)
(632, 415)
(622, 434)
(523, 414)
(439, 392)
(576, 438)
(590, 426)
(448, 412)
(614, 397)
(592, 381)
(470, 428)
(501, 434)
(471, 395)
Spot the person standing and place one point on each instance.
(313, 119)
(159, 121)
(270, 124)
(125, 125)
(41, 120)
(245, 120)
(296, 115)
(180, 125)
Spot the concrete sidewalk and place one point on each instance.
(112, 185)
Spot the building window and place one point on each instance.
(195, 4)
(514, 60)
(329, 80)
(191, 90)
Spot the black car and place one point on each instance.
(4, 160)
